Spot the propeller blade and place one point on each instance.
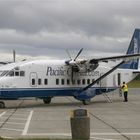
(68, 53)
(78, 54)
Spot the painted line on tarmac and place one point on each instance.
(24, 132)
(2, 113)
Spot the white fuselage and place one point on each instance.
(50, 75)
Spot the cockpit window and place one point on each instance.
(4, 73)
(16, 73)
(12, 73)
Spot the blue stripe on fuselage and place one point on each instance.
(15, 93)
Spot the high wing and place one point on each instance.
(126, 57)
(92, 64)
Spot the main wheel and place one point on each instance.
(86, 102)
(47, 100)
(2, 104)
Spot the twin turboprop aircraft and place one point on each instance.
(82, 79)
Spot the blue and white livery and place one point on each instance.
(82, 79)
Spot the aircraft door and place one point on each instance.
(119, 79)
(33, 79)
(103, 82)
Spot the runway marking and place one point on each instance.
(27, 123)
(2, 113)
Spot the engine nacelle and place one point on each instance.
(84, 67)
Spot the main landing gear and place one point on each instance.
(86, 102)
(47, 100)
(2, 104)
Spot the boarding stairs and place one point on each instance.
(107, 97)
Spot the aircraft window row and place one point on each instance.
(63, 81)
(40, 81)
(78, 81)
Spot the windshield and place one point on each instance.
(12, 73)
(2, 73)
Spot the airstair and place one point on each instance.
(107, 97)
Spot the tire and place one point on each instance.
(86, 102)
(47, 100)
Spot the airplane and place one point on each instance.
(81, 79)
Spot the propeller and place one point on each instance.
(74, 67)
(68, 53)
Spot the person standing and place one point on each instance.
(125, 91)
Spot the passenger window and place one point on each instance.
(45, 81)
(68, 81)
(88, 81)
(83, 82)
(39, 81)
(62, 81)
(16, 73)
(22, 73)
(33, 81)
(57, 81)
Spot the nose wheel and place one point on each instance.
(2, 104)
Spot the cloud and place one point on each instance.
(46, 28)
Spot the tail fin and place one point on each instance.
(134, 47)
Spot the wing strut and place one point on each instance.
(103, 76)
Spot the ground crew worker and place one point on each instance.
(125, 91)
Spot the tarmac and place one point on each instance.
(108, 121)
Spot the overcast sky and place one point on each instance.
(46, 28)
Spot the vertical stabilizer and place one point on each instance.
(134, 48)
